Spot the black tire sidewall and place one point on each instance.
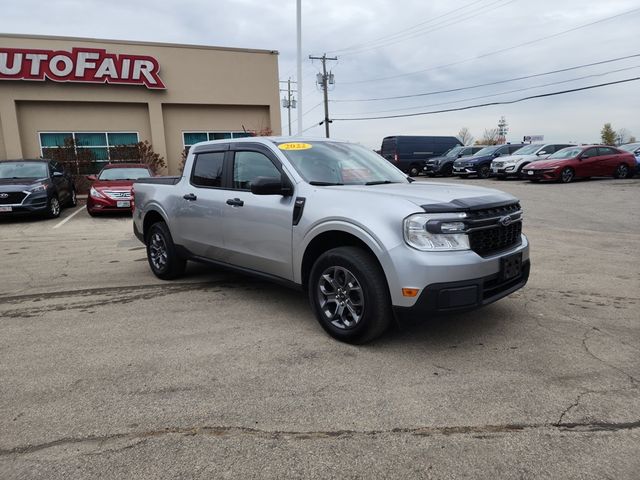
(618, 174)
(175, 264)
(562, 180)
(377, 312)
(484, 171)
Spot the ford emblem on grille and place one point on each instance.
(4, 195)
(505, 221)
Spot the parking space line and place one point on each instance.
(68, 218)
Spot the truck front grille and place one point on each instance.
(491, 240)
(11, 198)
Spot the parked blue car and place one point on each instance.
(635, 149)
(480, 163)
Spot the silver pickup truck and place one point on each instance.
(335, 219)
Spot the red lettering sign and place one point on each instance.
(82, 65)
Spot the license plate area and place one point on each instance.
(511, 266)
(6, 209)
(123, 203)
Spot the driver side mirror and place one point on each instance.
(271, 186)
(543, 152)
(92, 178)
(497, 154)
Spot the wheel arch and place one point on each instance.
(152, 216)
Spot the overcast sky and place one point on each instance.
(377, 39)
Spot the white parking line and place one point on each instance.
(68, 218)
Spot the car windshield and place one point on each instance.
(486, 151)
(454, 152)
(568, 152)
(124, 174)
(336, 163)
(23, 170)
(630, 147)
(528, 149)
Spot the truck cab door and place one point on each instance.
(200, 204)
(257, 228)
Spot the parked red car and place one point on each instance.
(111, 188)
(581, 162)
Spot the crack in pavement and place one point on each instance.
(585, 337)
(227, 431)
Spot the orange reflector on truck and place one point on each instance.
(410, 292)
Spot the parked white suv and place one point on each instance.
(512, 165)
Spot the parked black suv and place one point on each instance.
(409, 153)
(480, 163)
(444, 165)
(35, 186)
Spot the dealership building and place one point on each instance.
(108, 93)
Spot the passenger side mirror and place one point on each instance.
(270, 186)
(92, 178)
(58, 174)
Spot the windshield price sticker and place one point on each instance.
(294, 146)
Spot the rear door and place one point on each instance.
(608, 161)
(198, 219)
(257, 228)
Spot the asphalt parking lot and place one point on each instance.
(108, 372)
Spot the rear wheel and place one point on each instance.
(622, 171)
(567, 175)
(162, 255)
(349, 295)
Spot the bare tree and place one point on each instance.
(624, 136)
(490, 137)
(464, 135)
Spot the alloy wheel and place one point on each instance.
(158, 251)
(340, 297)
(622, 171)
(567, 175)
(54, 207)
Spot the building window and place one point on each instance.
(190, 138)
(103, 146)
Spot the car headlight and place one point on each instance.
(38, 187)
(94, 193)
(436, 232)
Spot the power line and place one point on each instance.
(505, 102)
(308, 111)
(525, 77)
(403, 31)
(560, 82)
(446, 23)
(495, 52)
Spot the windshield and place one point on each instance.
(529, 149)
(23, 170)
(486, 151)
(568, 152)
(124, 174)
(454, 152)
(630, 147)
(334, 163)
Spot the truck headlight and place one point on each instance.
(436, 232)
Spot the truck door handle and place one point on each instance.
(190, 196)
(235, 202)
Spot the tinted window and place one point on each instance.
(247, 166)
(606, 151)
(590, 152)
(23, 170)
(514, 148)
(207, 171)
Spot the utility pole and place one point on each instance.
(324, 80)
(288, 102)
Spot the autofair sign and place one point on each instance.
(80, 65)
(533, 138)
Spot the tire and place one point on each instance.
(53, 207)
(73, 199)
(447, 170)
(622, 171)
(163, 258)
(484, 172)
(567, 175)
(354, 276)
(414, 171)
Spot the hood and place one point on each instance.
(428, 193)
(438, 159)
(118, 184)
(18, 184)
(549, 163)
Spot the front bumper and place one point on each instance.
(33, 203)
(433, 168)
(465, 170)
(97, 205)
(505, 171)
(463, 295)
(540, 174)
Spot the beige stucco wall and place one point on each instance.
(183, 118)
(221, 86)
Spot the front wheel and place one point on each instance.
(484, 171)
(163, 258)
(413, 171)
(566, 175)
(447, 170)
(349, 295)
(53, 208)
